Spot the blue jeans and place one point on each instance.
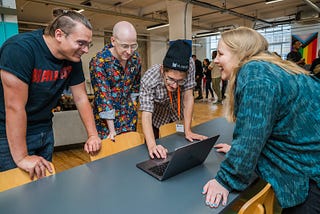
(40, 144)
(311, 205)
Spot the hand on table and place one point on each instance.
(222, 147)
(93, 145)
(35, 166)
(190, 136)
(215, 194)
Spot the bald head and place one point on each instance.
(124, 31)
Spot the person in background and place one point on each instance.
(198, 76)
(275, 106)
(115, 76)
(216, 77)
(166, 95)
(32, 81)
(295, 55)
(207, 73)
(315, 66)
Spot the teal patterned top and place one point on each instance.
(277, 132)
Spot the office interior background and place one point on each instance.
(277, 20)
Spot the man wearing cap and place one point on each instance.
(166, 95)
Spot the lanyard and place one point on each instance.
(179, 102)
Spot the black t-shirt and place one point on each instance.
(27, 56)
(294, 56)
(199, 69)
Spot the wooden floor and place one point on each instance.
(66, 159)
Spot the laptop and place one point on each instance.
(182, 159)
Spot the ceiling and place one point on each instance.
(207, 15)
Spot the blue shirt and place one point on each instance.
(277, 132)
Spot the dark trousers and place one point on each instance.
(208, 88)
(155, 132)
(311, 205)
(40, 144)
(198, 87)
(223, 88)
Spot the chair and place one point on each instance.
(261, 203)
(17, 177)
(167, 129)
(122, 142)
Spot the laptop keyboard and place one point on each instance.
(159, 169)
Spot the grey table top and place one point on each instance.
(115, 185)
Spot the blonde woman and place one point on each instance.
(275, 105)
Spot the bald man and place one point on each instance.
(115, 77)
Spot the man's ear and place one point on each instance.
(59, 34)
(161, 69)
(112, 39)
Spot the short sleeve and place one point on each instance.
(17, 60)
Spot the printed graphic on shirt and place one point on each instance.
(39, 75)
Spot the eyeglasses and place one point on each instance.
(83, 44)
(171, 81)
(125, 46)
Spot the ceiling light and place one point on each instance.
(80, 10)
(153, 27)
(272, 1)
(198, 35)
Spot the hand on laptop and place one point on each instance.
(222, 147)
(158, 151)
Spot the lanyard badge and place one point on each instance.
(179, 124)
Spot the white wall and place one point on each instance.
(157, 49)
(199, 49)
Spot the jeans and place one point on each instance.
(311, 205)
(40, 144)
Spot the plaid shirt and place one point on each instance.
(154, 96)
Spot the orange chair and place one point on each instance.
(122, 142)
(17, 177)
(261, 203)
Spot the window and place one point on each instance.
(278, 37)
(212, 42)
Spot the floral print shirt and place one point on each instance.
(115, 88)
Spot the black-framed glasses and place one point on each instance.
(171, 81)
(127, 46)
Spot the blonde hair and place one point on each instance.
(250, 45)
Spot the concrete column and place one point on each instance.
(180, 20)
(8, 20)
